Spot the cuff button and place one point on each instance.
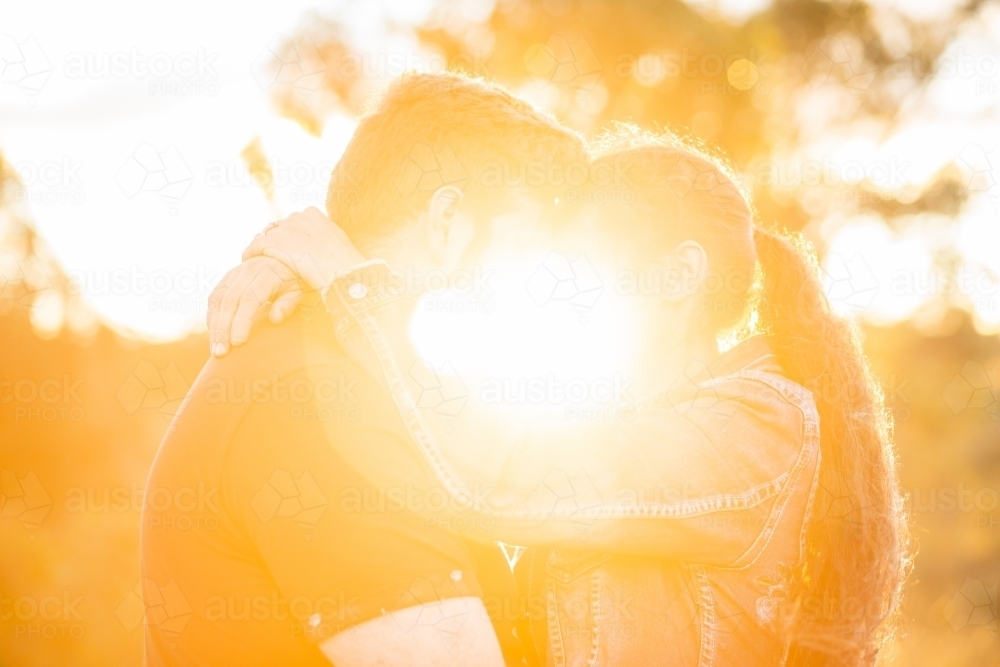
(357, 291)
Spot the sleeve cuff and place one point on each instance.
(364, 287)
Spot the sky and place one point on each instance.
(126, 124)
(177, 92)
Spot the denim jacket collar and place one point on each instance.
(754, 353)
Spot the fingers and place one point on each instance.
(215, 302)
(278, 234)
(273, 247)
(245, 292)
(309, 244)
(265, 275)
(221, 331)
(316, 215)
(266, 285)
(255, 248)
(259, 243)
(286, 302)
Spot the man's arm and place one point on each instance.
(366, 582)
(404, 637)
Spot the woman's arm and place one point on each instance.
(697, 477)
(690, 478)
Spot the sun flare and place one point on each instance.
(536, 315)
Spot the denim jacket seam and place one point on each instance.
(706, 614)
(360, 313)
(809, 445)
(721, 503)
(810, 429)
(411, 417)
(596, 581)
(349, 319)
(781, 503)
(555, 639)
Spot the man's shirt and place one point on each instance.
(258, 541)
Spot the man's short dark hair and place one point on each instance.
(430, 130)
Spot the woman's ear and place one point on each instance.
(689, 267)
(449, 231)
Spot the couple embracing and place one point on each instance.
(744, 510)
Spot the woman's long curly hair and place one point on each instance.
(843, 597)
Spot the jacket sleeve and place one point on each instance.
(698, 474)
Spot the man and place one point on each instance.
(259, 544)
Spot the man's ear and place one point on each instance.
(688, 269)
(449, 231)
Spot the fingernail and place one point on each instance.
(219, 349)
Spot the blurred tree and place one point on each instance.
(757, 88)
(91, 440)
(32, 285)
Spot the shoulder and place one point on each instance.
(301, 341)
(230, 386)
(758, 415)
(298, 347)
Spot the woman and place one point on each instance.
(787, 544)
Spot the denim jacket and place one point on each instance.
(665, 534)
